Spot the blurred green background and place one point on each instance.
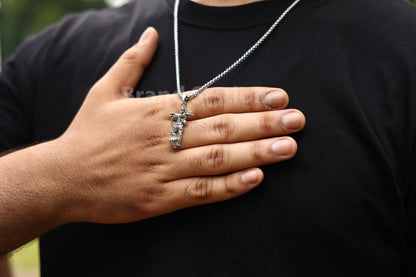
(18, 19)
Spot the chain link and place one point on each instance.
(228, 69)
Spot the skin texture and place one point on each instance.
(225, 3)
(4, 268)
(111, 166)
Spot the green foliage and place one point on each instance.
(20, 18)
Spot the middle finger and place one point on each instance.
(230, 128)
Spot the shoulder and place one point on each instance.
(86, 29)
(73, 33)
(92, 29)
(92, 40)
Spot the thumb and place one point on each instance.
(124, 75)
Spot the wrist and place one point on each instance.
(60, 174)
(33, 194)
(29, 189)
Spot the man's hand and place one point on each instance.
(125, 168)
(114, 164)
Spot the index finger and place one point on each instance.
(221, 100)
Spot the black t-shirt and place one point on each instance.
(344, 206)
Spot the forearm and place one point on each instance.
(4, 268)
(31, 199)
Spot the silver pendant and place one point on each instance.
(178, 126)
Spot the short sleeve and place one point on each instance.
(18, 88)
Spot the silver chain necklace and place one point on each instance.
(177, 127)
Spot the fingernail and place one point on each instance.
(144, 37)
(250, 177)
(292, 121)
(282, 147)
(275, 99)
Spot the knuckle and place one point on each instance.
(249, 99)
(265, 122)
(256, 151)
(223, 127)
(153, 139)
(151, 193)
(212, 159)
(152, 166)
(114, 210)
(200, 189)
(152, 111)
(130, 56)
(215, 158)
(196, 162)
(229, 188)
(214, 101)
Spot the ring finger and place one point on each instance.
(222, 158)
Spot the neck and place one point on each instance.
(225, 3)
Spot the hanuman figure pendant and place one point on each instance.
(178, 126)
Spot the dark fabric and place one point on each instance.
(344, 206)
